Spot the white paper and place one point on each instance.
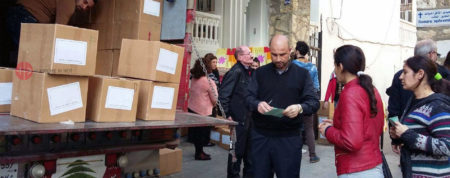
(215, 136)
(9, 170)
(119, 98)
(226, 139)
(70, 52)
(162, 97)
(167, 61)
(6, 93)
(64, 98)
(152, 7)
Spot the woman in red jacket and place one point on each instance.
(358, 119)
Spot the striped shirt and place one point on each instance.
(428, 136)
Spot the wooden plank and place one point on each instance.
(10, 125)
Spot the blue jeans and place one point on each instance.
(281, 155)
(376, 172)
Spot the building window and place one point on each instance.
(205, 5)
(406, 10)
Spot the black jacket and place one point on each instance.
(294, 86)
(398, 97)
(232, 92)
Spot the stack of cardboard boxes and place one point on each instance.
(54, 62)
(129, 46)
(220, 135)
(118, 19)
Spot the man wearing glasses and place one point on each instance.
(231, 96)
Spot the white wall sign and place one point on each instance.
(433, 18)
(167, 61)
(162, 97)
(119, 98)
(6, 93)
(70, 52)
(64, 98)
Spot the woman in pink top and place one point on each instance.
(202, 98)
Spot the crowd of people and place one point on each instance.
(270, 144)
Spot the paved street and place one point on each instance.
(216, 168)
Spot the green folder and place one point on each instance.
(276, 112)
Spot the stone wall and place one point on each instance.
(291, 19)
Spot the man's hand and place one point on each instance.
(229, 118)
(292, 111)
(263, 107)
(396, 148)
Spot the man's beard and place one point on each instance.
(280, 65)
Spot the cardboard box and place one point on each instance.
(170, 161)
(6, 77)
(329, 112)
(224, 138)
(215, 136)
(105, 62)
(150, 60)
(46, 98)
(157, 101)
(323, 114)
(108, 11)
(58, 49)
(111, 34)
(132, 19)
(112, 99)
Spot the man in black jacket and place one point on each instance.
(277, 141)
(231, 96)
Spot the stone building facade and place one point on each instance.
(440, 34)
(290, 19)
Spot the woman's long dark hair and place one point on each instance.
(430, 69)
(197, 70)
(353, 60)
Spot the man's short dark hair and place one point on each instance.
(302, 48)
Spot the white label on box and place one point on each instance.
(70, 52)
(152, 7)
(119, 98)
(321, 119)
(226, 139)
(162, 97)
(167, 61)
(6, 93)
(9, 170)
(215, 136)
(64, 98)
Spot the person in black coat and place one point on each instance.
(231, 96)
